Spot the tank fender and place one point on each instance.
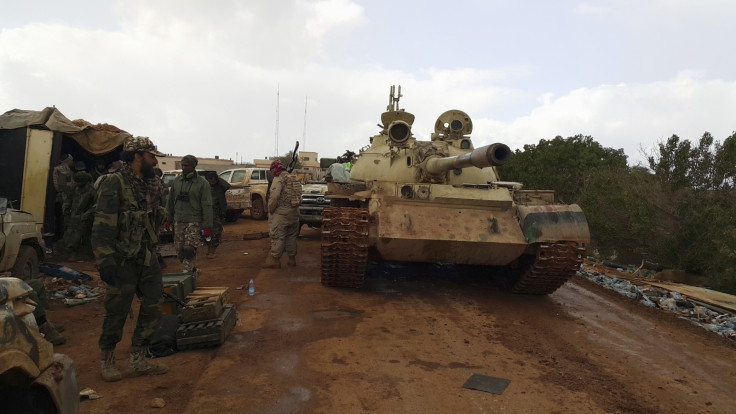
(60, 379)
(552, 223)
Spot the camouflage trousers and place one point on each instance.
(39, 296)
(187, 237)
(283, 230)
(215, 232)
(133, 279)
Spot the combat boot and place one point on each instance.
(109, 372)
(272, 262)
(292, 261)
(210, 252)
(140, 363)
(51, 334)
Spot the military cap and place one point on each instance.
(143, 144)
(190, 159)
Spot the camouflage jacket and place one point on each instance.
(123, 229)
(285, 195)
(190, 201)
(83, 201)
(62, 179)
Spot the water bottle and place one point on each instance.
(208, 238)
(251, 288)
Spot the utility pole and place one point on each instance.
(304, 131)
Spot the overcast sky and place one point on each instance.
(202, 77)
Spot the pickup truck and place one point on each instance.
(238, 197)
(313, 201)
(254, 178)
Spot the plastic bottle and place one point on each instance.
(251, 288)
(208, 238)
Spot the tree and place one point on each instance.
(562, 164)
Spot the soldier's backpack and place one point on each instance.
(292, 189)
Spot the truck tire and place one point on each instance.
(257, 209)
(232, 215)
(26, 265)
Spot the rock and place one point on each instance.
(158, 403)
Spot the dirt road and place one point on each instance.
(408, 342)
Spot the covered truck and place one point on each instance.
(31, 144)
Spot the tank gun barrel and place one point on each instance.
(487, 156)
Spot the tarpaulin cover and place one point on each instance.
(95, 139)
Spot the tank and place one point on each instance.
(442, 201)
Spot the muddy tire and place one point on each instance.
(257, 209)
(26, 265)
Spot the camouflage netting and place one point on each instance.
(96, 139)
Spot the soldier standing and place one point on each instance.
(218, 187)
(62, 178)
(190, 208)
(76, 239)
(123, 238)
(284, 198)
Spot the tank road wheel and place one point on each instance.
(554, 264)
(344, 246)
(257, 209)
(26, 265)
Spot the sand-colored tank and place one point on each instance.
(442, 201)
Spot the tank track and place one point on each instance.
(554, 264)
(344, 246)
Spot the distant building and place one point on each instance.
(171, 162)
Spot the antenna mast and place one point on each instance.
(276, 154)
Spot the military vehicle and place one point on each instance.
(33, 379)
(21, 244)
(442, 201)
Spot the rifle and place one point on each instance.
(175, 299)
(292, 163)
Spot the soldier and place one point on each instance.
(190, 208)
(51, 331)
(124, 242)
(283, 219)
(76, 239)
(218, 186)
(62, 178)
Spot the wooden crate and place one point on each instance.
(202, 334)
(204, 303)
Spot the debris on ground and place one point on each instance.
(487, 383)
(64, 272)
(71, 293)
(688, 308)
(158, 403)
(89, 394)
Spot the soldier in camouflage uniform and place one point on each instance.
(62, 179)
(218, 187)
(190, 208)
(284, 198)
(124, 242)
(76, 239)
